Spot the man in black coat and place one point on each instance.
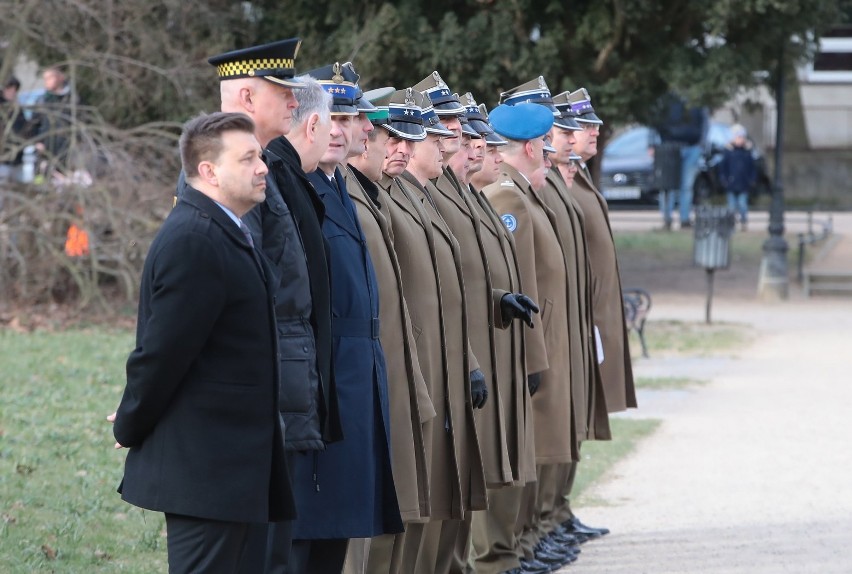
(199, 412)
(259, 81)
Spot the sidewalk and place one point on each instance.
(749, 473)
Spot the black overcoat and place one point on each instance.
(199, 412)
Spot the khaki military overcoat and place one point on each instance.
(410, 405)
(434, 290)
(608, 309)
(543, 275)
(510, 348)
(483, 309)
(590, 414)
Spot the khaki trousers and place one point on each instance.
(493, 532)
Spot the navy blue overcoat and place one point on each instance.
(347, 490)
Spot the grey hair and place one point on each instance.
(313, 99)
(512, 147)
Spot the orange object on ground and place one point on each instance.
(76, 242)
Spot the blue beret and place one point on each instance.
(522, 121)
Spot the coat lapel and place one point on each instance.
(335, 210)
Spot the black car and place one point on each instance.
(627, 167)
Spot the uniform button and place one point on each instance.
(305, 349)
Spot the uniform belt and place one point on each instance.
(350, 327)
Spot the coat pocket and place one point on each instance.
(298, 374)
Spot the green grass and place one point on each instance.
(668, 337)
(679, 245)
(58, 469)
(598, 457)
(59, 511)
(668, 383)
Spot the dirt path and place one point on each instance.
(751, 473)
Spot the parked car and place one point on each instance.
(627, 167)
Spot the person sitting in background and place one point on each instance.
(738, 173)
(13, 130)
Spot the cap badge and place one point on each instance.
(337, 78)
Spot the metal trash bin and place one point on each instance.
(713, 229)
(667, 166)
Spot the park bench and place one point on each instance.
(637, 304)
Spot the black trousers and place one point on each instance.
(268, 545)
(318, 556)
(200, 546)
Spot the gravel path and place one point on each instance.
(750, 473)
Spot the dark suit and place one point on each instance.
(199, 412)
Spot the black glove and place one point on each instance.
(533, 381)
(478, 389)
(518, 306)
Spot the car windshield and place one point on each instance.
(633, 142)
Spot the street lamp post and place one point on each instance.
(774, 283)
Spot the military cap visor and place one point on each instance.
(494, 139)
(521, 122)
(480, 126)
(275, 62)
(469, 130)
(589, 118)
(405, 130)
(433, 124)
(437, 128)
(567, 122)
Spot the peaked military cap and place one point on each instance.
(405, 118)
(521, 122)
(581, 104)
(275, 62)
(490, 138)
(467, 129)
(537, 92)
(474, 116)
(379, 98)
(339, 81)
(431, 121)
(361, 103)
(569, 116)
(445, 102)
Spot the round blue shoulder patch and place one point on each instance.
(509, 221)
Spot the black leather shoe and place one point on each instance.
(553, 547)
(553, 557)
(534, 567)
(574, 526)
(562, 537)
